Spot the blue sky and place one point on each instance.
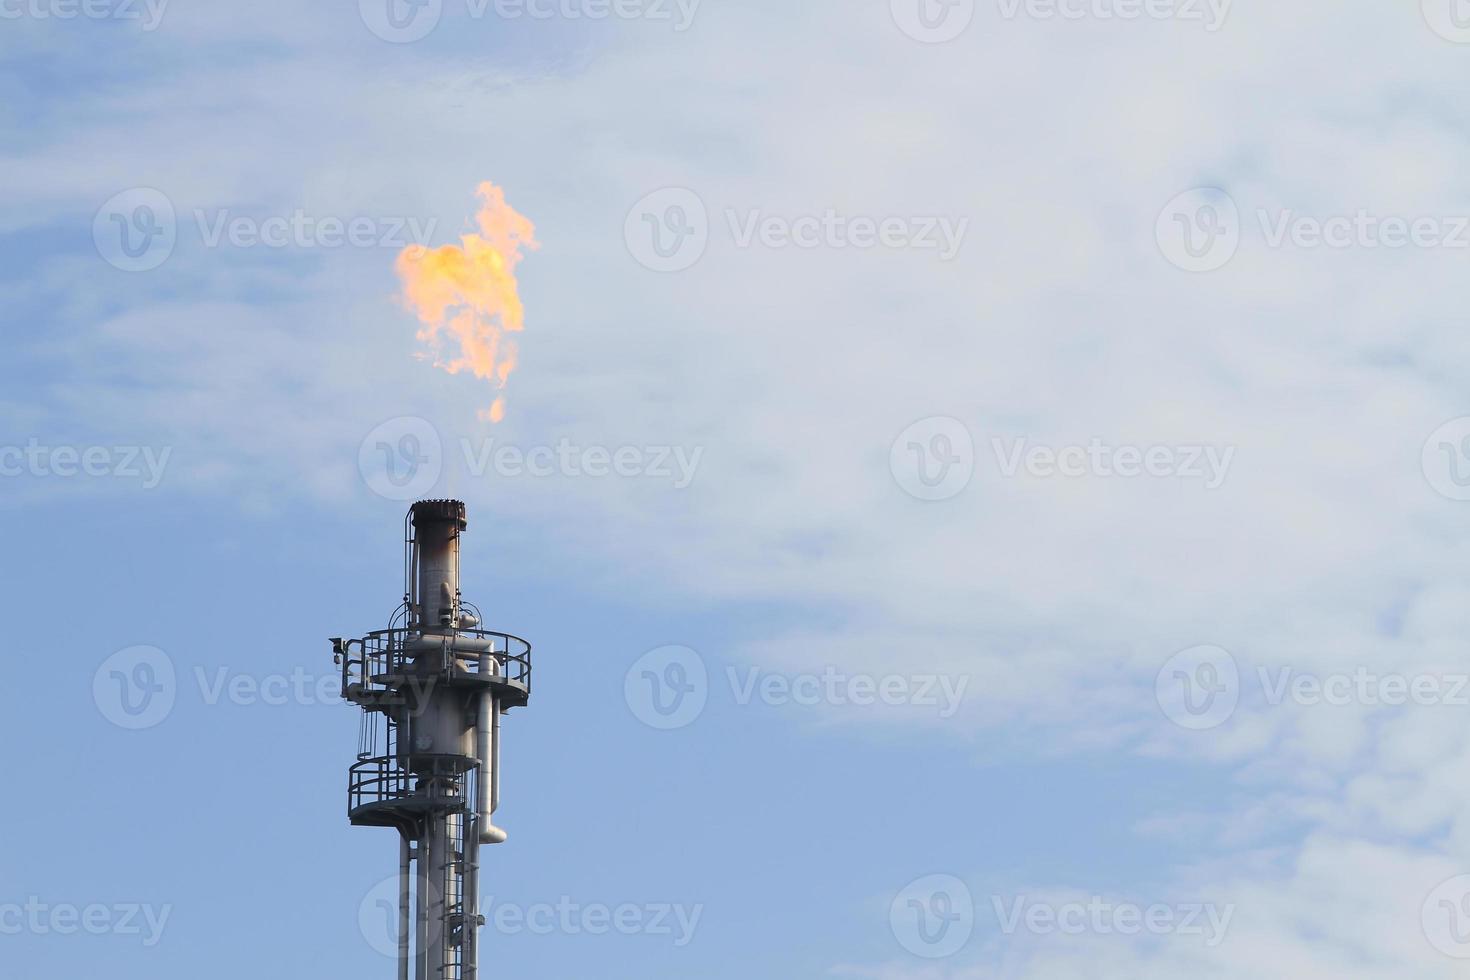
(1099, 364)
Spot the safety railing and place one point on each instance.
(376, 663)
(384, 779)
(379, 780)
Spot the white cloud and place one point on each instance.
(1060, 321)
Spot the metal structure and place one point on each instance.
(432, 688)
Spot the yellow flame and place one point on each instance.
(466, 295)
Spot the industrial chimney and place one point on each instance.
(432, 688)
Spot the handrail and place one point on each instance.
(383, 779)
(383, 654)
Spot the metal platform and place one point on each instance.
(386, 791)
(377, 668)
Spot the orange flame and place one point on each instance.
(466, 296)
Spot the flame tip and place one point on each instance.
(467, 294)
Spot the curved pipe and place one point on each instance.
(487, 749)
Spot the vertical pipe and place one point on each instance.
(487, 736)
(421, 906)
(494, 754)
(483, 735)
(472, 887)
(481, 820)
(436, 862)
(405, 859)
(414, 616)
